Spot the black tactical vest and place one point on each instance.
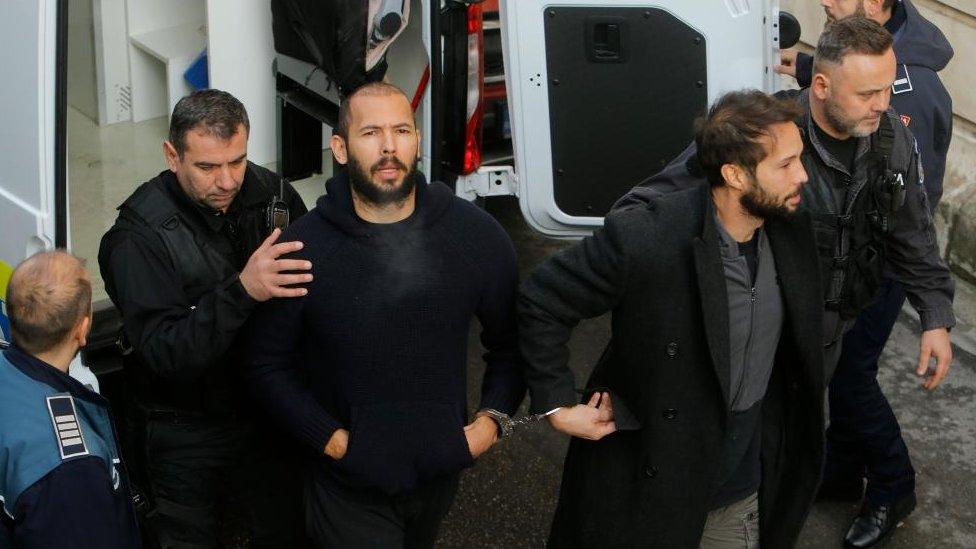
(201, 267)
(851, 244)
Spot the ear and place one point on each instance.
(420, 144)
(80, 334)
(734, 177)
(820, 86)
(172, 157)
(873, 8)
(339, 151)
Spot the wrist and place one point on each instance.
(502, 422)
(239, 292)
(556, 414)
(244, 284)
(485, 422)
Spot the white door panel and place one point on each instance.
(27, 133)
(739, 38)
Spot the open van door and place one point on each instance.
(33, 156)
(603, 96)
(33, 201)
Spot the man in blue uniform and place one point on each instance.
(864, 439)
(62, 483)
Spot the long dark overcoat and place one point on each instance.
(658, 268)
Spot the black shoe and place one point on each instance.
(841, 491)
(877, 522)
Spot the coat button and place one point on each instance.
(650, 472)
(670, 413)
(672, 349)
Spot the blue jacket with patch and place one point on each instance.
(62, 483)
(918, 94)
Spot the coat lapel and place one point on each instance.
(713, 294)
(795, 255)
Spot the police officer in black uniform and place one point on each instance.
(190, 255)
(871, 215)
(864, 439)
(62, 481)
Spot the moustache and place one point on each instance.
(387, 162)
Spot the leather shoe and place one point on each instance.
(876, 522)
(841, 491)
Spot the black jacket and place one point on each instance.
(379, 344)
(918, 94)
(658, 268)
(183, 325)
(911, 247)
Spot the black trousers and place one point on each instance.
(200, 471)
(864, 439)
(339, 518)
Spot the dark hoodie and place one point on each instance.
(918, 94)
(379, 344)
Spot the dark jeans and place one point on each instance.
(338, 517)
(864, 439)
(197, 467)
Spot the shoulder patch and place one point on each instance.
(67, 428)
(903, 82)
(906, 120)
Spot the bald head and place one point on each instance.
(48, 295)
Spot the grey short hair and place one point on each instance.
(851, 35)
(216, 112)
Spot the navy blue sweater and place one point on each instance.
(379, 344)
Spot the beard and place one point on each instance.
(760, 204)
(361, 180)
(840, 122)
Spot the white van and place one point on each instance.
(599, 96)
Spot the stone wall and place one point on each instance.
(956, 216)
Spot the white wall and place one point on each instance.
(82, 90)
(112, 61)
(240, 57)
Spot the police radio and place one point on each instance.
(892, 190)
(889, 187)
(276, 214)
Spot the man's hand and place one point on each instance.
(338, 444)
(934, 344)
(592, 421)
(481, 434)
(262, 278)
(787, 64)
